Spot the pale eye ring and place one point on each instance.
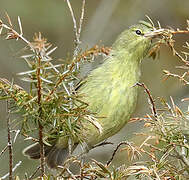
(138, 32)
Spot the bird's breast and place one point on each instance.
(112, 97)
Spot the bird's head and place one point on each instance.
(136, 40)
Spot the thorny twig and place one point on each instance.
(12, 34)
(39, 88)
(181, 78)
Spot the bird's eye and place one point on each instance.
(138, 32)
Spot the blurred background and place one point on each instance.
(103, 21)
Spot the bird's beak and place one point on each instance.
(154, 33)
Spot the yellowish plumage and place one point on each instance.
(109, 92)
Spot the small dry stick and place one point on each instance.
(150, 98)
(13, 169)
(73, 18)
(34, 173)
(115, 151)
(102, 144)
(77, 31)
(81, 18)
(12, 34)
(181, 78)
(29, 137)
(9, 144)
(4, 149)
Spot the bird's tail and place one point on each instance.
(54, 155)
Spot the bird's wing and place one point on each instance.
(83, 78)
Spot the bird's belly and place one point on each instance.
(112, 116)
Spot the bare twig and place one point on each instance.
(116, 149)
(3, 150)
(71, 174)
(74, 22)
(14, 35)
(13, 169)
(34, 173)
(81, 18)
(154, 111)
(9, 143)
(181, 78)
(77, 30)
(102, 144)
(176, 53)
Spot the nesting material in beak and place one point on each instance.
(155, 33)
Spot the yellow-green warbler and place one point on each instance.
(109, 92)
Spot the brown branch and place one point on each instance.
(115, 151)
(167, 38)
(102, 144)
(42, 154)
(9, 144)
(180, 32)
(39, 88)
(153, 108)
(181, 78)
(175, 53)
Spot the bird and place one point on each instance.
(109, 91)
